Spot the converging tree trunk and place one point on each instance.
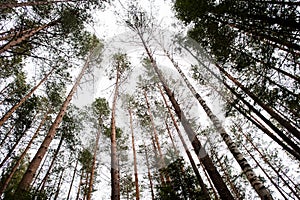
(194, 167)
(250, 174)
(199, 149)
(136, 180)
(14, 169)
(34, 164)
(15, 107)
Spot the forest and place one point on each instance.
(150, 99)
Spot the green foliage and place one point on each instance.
(70, 126)
(107, 132)
(10, 190)
(183, 183)
(86, 159)
(100, 108)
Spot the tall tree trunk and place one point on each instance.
(171, 138)
(72, 181)
(161, 160)
(266, 173)
(136, 180)
(194, 167)
(199, 149)
(59, 184)
(16, 106)
(11, 150)
(210, 182)
(250, 174)
(17, 41)
(14, 169)
(34, 164)
(91, 181)
(149, 172)
(43, 183)
(39, 172)
(227, 176)
(268, 109)
(261, 116)
(6, 135)
(249, 141)
(115, 182)
(258, 124)
(79, 185)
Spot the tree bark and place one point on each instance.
(171, 138)
(91, 181)
(34, 164)
(268, 122)
(115, 182)
(266, 173)
(268, 109)
(268, 162)
(79, 185)
(11, 150)
(136, 179)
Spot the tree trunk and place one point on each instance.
(227, 176)
(91, 181)
(266, 173)
(267, 162)
(250, 174)
(16, 143)
(171, 138)
(59, 184)
(79, 185)
(210, 182)
(14, 169)
(199, 149)
(115, 182)
(42, 184)
(72, 181)
(34, 164)
(161, 160)
(268, 122)
(257, 123)
(6, 135)
(15, 107)
(194, 167)
(136, 180)
(268, 109)
(149, 172)
(17, 41)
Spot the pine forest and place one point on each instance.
(149, 99)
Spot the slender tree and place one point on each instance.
(136, 179)
(120, 65)
(137, 26)
(34, 164)
(251, 176)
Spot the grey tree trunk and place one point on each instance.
(250, 174)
